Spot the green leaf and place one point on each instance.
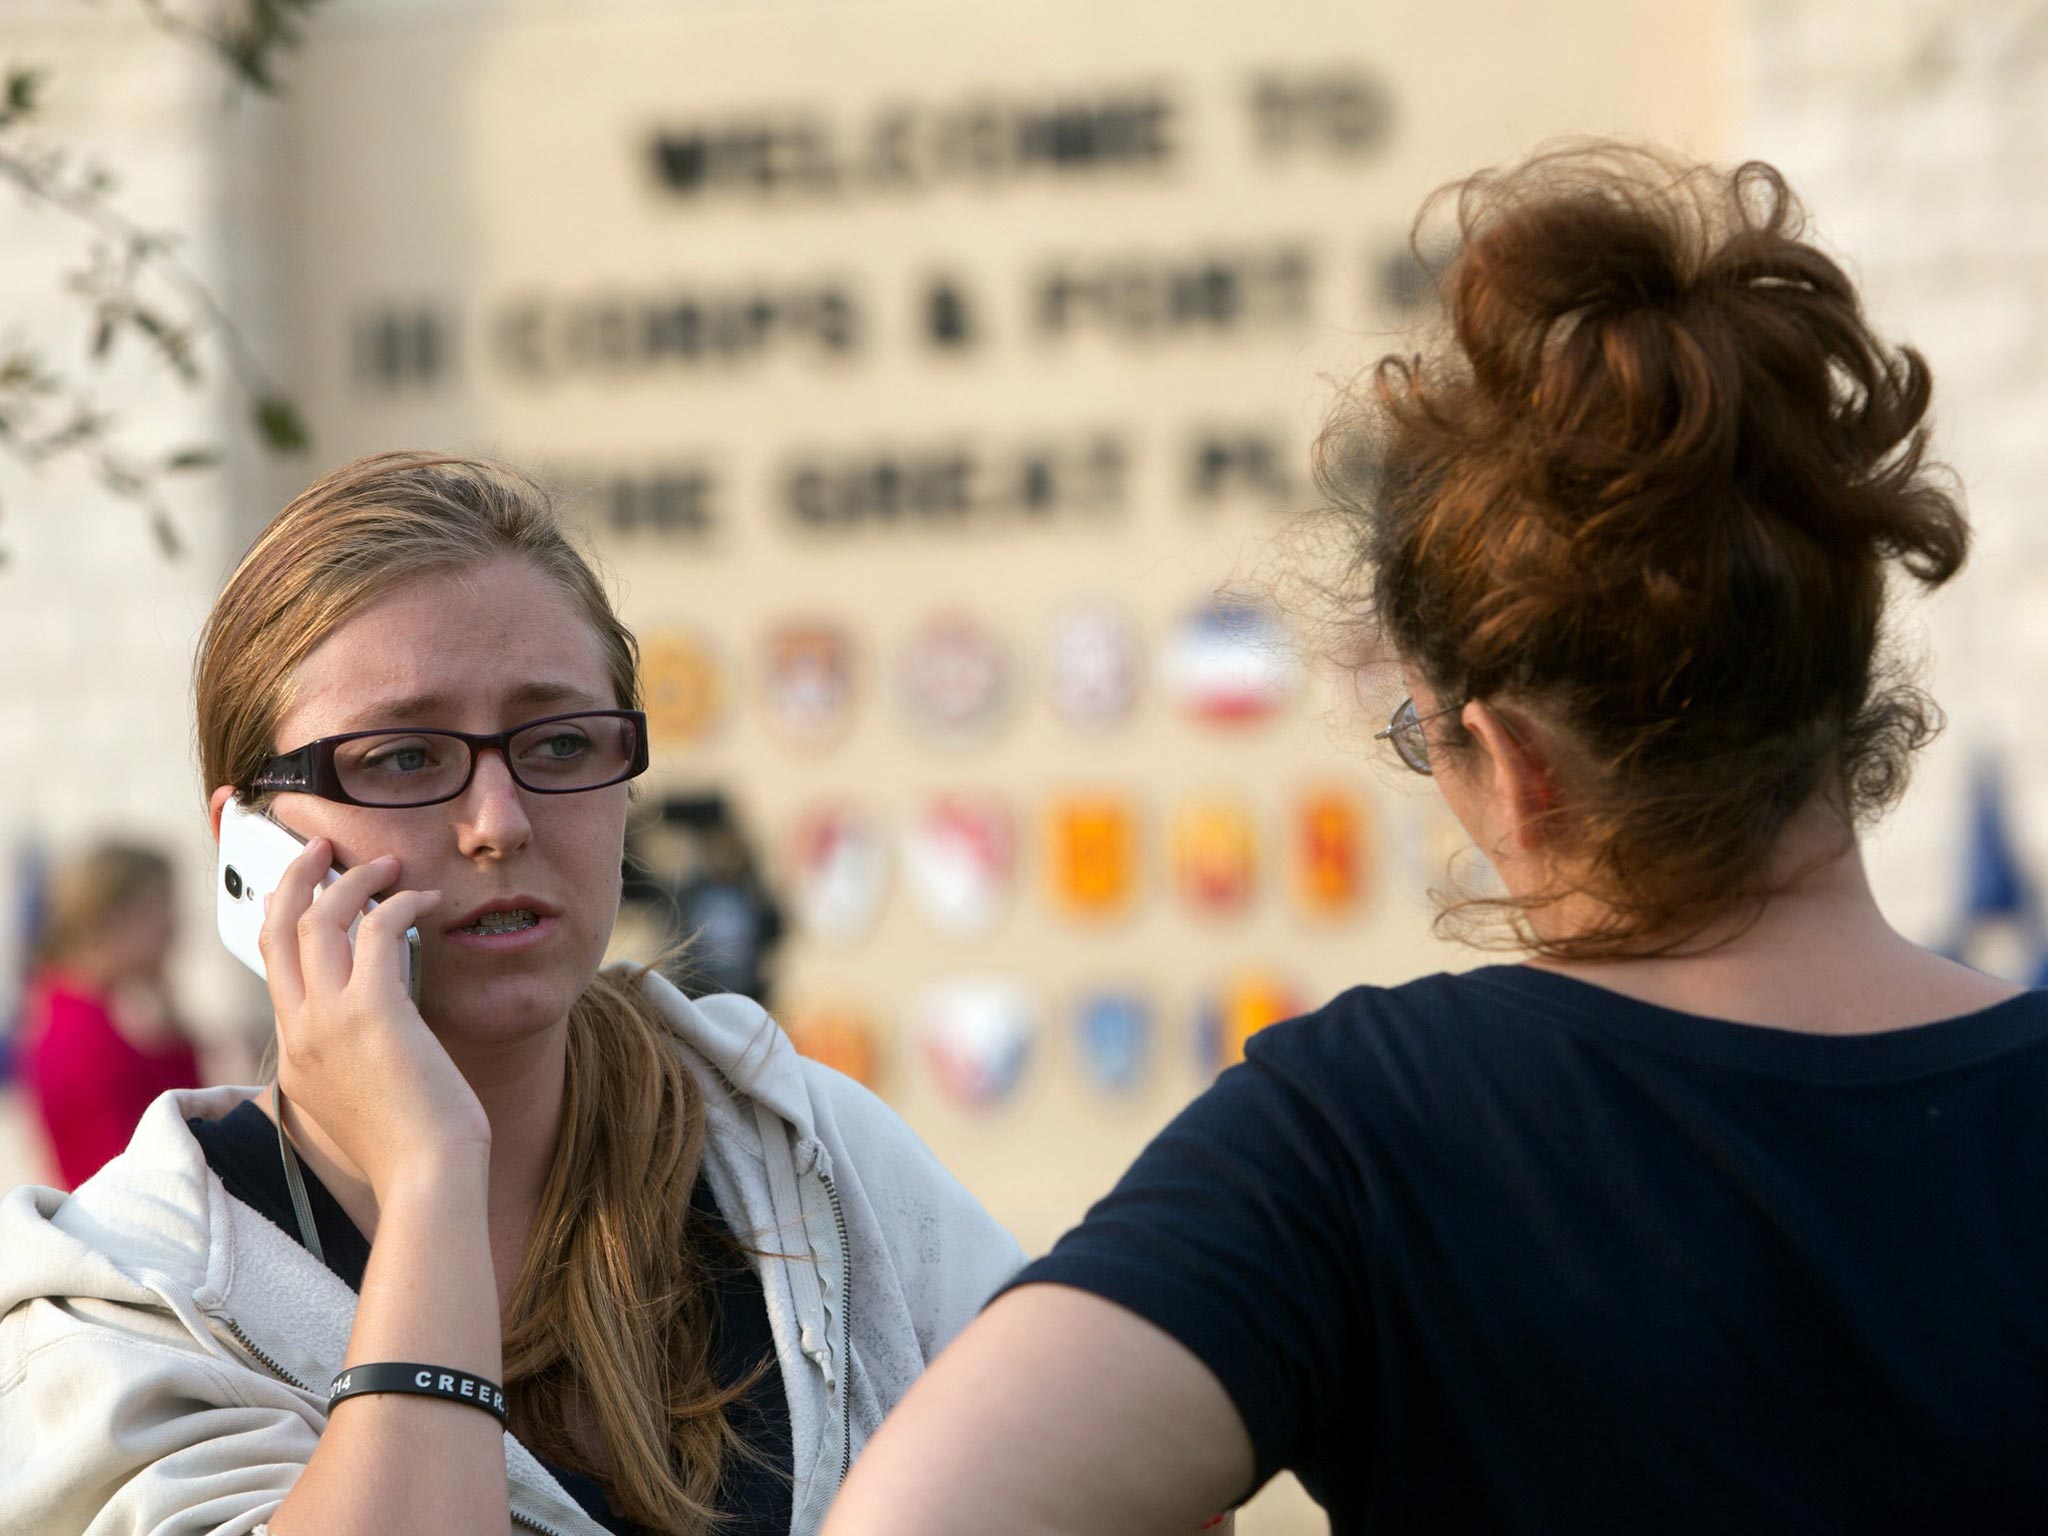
(174, 344)
(21, 94)
(192, 458)
(122, 480)
(166, 533)
(279, 424)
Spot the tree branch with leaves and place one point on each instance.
(132, 286)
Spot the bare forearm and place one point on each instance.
(1055, 1414)
(398, 1465)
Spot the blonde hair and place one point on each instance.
(610, 1308)
(85, 894)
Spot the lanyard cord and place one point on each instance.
(301, 1206)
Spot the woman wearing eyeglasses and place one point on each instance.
(686, 1268)
(1722, 1209)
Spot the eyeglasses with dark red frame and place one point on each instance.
(313, 770)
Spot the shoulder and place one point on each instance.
(136, 1424)
(886, 1174)
(1387, 1067)
(872, 1146)
(1435, 1022)
(152, 1216)
(947, 1254)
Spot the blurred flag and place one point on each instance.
(1999, 929)
(1229, 663)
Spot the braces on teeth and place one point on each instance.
(504, 922)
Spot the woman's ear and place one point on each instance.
(1523, 777)
(220, 798)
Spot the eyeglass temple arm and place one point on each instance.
(292, 771)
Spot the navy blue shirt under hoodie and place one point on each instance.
(1509, 1252)
(241, 1148)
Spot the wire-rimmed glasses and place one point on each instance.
(1404, 730)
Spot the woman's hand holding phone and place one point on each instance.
(353, 1051)
(355, 1055)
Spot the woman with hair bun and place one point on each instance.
(544, 1242)
(1721, 1208)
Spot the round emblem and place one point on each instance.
(955, 681)
(686, 692)
(807, 684)
(1094, 669)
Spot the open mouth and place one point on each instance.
(515, 921)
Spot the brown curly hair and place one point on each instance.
(1648, 484)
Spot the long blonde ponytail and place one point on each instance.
(609, 1311)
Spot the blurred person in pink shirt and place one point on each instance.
(99, 1037)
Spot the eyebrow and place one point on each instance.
(412, 708)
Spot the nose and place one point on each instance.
(494, 820)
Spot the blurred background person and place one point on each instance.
(100, 1035)
(726, 911)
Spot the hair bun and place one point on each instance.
(1638, 327)
(1652, 475)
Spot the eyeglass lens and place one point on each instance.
(415, 767)
(1405, 730)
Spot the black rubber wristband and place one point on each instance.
(420, 1381)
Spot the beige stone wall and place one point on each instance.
(1916, 131)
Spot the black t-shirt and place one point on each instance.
(1509, 1252)
(241, 1148)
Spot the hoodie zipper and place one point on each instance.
(845, 1329)
(250, 1345)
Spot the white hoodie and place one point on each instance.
(165, 1350)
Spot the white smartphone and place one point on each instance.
(254, 851)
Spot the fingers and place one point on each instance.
(380, 937)
(278, 938)
(324, 955)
